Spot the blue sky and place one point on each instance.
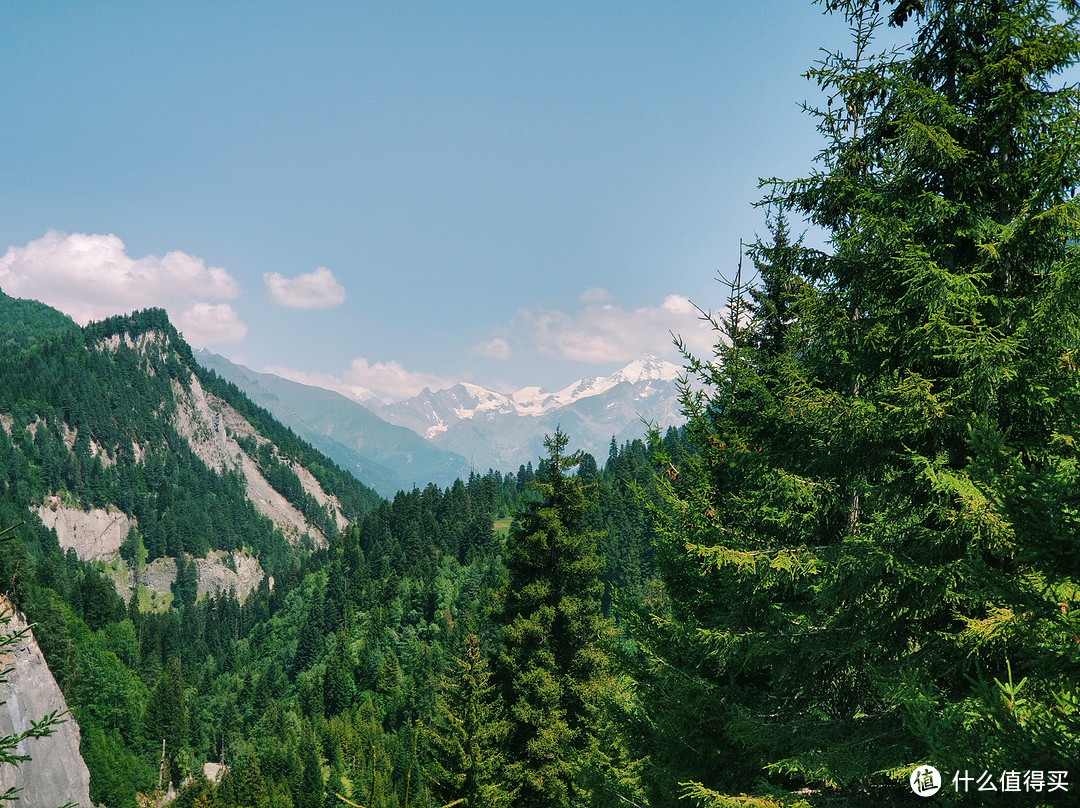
(378, 196)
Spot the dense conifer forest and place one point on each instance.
(339, 678)
(859, 556)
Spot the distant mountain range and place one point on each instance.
(439, 435)
(387, 457)
(504, 431)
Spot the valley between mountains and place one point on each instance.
(252, 608)
(437, 436)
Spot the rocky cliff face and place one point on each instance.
(55, 774)
(211, 427)
(95, 533)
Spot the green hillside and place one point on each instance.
(24, 323)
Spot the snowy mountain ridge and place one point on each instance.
(449, 432)
(648, 368)
(432, 412)
(497, 430)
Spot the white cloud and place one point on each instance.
(211, 324)
(606, 332)
(361, 380)
(90, 277)
(311, 290)
(677, 304)
(497, 348)
(327, 381)
(390, 380)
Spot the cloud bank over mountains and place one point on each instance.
(90, 277)
(363, 380)
(595, 333)
(605, 333)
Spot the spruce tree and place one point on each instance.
(243, 782)
(339, 686)
(466, 761)
(554, 664)
(311, 640)
(165, 719)
(772, 298)
(310, 793)
(870, 552)
(185, 588)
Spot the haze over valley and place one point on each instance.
(437, 436)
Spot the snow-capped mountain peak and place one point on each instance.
(465, 400)
(437, 414)
(482, 400)
(648, 367)
(532, 401)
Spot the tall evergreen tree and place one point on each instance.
(165, 719)
(339, 686)
(465, 737)
(870, 552)
(311, 640)
(555, 666)
(310, 793)
(771, 300)
(243, 782)
(186, 586)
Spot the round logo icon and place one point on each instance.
(925, 781)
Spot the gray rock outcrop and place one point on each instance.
(95, 534)
(55, 774)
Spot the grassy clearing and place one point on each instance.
(154, 592)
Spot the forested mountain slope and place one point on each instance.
(116, 447)
(124, 467)
(117, 415)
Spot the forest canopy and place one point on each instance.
(871, 550)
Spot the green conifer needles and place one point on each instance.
(467, 761)
(557, 674)
(871, 555)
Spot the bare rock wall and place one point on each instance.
(56, 773)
